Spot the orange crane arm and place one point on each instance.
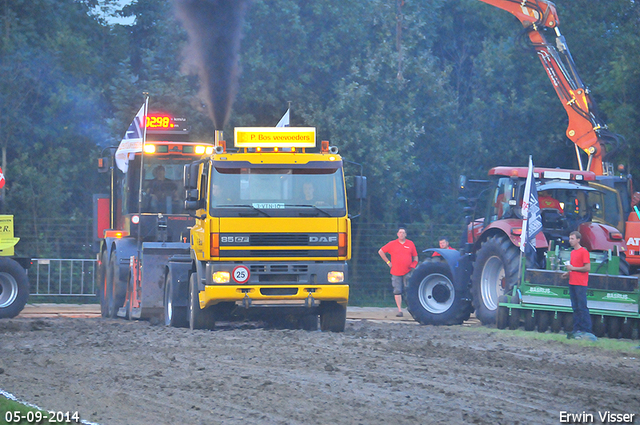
(585, 129)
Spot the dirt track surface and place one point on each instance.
(120, 372)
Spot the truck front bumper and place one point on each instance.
(274, 295)
(296, 283)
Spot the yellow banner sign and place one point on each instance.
(284, 137)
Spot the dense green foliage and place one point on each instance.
(418, 92)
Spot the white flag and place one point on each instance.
(532, 220)
(131, 142)
(284, 121)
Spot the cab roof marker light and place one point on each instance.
(148, 148)
(200, 150)
(209, 150)
(563, 175)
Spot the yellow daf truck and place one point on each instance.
(272, 233)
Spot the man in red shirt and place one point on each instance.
(405, 259)
(578, 273)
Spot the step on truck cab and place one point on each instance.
(271, 237)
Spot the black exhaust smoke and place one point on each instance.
(215, 29)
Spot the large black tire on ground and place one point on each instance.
(118, 289)
(333, 317)
(14, 288)
(198, 318)
(103, 287)
(495, 272)
(175, 317)
(432, 297)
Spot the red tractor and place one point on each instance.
(445, 289)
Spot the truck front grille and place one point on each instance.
(279, 253)
(278, 239)
(279, 268)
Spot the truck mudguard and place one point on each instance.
(179, 266)
(460, 266)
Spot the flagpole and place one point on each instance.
(144, 140)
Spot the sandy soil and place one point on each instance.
(120, 372)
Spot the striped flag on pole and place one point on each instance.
(532, 220)
(132, 141)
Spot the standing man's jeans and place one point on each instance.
(581, 318)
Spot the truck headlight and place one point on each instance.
(221, 277)
(335, 277)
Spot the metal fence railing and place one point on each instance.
(368, 275)
(50, 277)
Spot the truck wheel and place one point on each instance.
(333, 317)
(118, 289)
(198, 318)
(176, 317)
(309, 322)
(14, 288)
(495, 272)
(432, 298)
(102, 285)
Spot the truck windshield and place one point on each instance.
(278, 191)
(162, 186)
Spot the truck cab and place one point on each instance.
(272, 233)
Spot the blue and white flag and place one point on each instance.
(284, 121)
(132, 141)
(532, 220)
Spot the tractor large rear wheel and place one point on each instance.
(14, 288)
(495, 272)
(432, 298)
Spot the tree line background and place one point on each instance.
(418, 91)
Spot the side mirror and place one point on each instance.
(361, 187)
(104, 164)
(191, 205)
(190, 177)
